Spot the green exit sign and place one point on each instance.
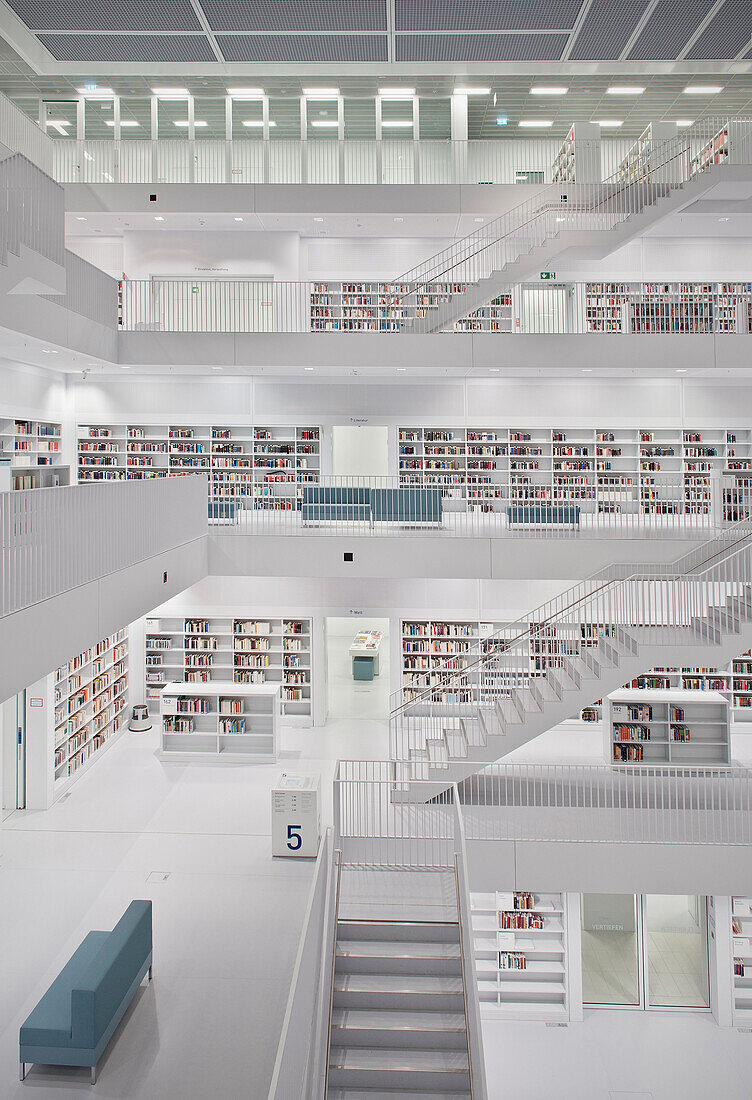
(548, 274)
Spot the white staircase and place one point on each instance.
(595, 638)
(591, 220)
(398, 1025)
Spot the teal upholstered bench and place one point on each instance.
(335, 504)
(223, 511)
(76, 1018)
(409, 507)
(543, 515)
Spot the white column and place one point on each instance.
(458, 123)
(228, 139)
(303, 139)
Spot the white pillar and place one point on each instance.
(458, 122)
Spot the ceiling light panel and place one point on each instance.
(668, 29)
(726, 34)
(548, 89)
(485, 15)
(107, 15)
(294, 15)
(127, 48)
(608, 26)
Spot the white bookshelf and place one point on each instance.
(579, 158)
(374, 306)
(228, 721)
(89, 700)
(258, 466)
(672, 726)
(668, 307)
(495, 317)
(644, 160)
(741, 960)
(33, 448)
(241, 649)
(520, 943)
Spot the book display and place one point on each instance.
(33, 447)
(374, 306)
(235, 722)
(520, 943)
(579, 159)
(741, 959)
(668, 726)
(258, 466)
(237, 649)
(90, 696)
(495, 317)
(668, 307)
(645, 160)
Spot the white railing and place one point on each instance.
(595, 804)
(266, 305)
(547, 502)
(32, 211)
(19, 133)
(578, 803)
(89, 292)
(645, 177)
(325, 161)
(654, 605)
(303, 1045)
(54, 540)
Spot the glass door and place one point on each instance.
(645, 951)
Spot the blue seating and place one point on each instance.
(533, 515)
(342, 504)
(75, 1019)
(223, 511)
(362, 668)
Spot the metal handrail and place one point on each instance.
(462, 965)
(504, 644)
(338, 855)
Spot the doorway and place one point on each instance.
(645, 951)
(349, 699)
(13, 725)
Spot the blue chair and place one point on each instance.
(362, 668)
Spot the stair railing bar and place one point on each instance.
(464, 975)
(338, 857)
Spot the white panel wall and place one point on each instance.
(105, 253)
(671, 258)
(211, 254)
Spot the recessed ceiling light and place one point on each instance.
(400, 370)
(216, 368)
(397, 91)
(93, 93)
(561, 219)
(535, 123)
(625, 89)
(125, 366)
(685, 122)
(307, 368)
(587, 370)
(478, 219)
(494, 370)
(322, 123)
(681, 370)
(502, 120)
(703, 89)
(245, 93)
(238, 219)
(397, 123)
(724, 219)
(399, 219)
(257, 123)
(185, 122)
(166, 93)
(318, 219)
(79, 218)
(610, 123)
(465, 89)
(123, 122)
(321, 93)
(549, 89)
(158, 218)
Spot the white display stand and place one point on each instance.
(296, 815)
(234, 722)
(367, 643)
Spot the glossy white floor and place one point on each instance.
(196, 840)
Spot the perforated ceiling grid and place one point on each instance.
(669, 29)
(485, 15)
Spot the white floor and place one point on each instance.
(196, 840)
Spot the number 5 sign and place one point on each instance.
(296, 815)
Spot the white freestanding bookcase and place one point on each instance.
(671, 726)
(225, 721)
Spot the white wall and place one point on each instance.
(360, 451)
(208, 254)
(106, 253)
(667, 258)
(340, 258)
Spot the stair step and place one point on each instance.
(409, 1030)
(339, 1093)
(407, 964)
(384, 1067)
(398, 931)
(395, 949)
(419, 992)
(388, 1018)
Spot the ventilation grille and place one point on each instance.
(668, 29)
(485, 15)
(124, 47)
(480, 47)
(313, 48)
(107, 15)
(296, 15)
(607, 28)
(726, 35)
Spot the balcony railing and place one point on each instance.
(31, 211)
(54, 540)
(492, 504)
(365, 305)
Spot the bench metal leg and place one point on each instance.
(22, 1071)
(151, 969)
(93, 1075)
